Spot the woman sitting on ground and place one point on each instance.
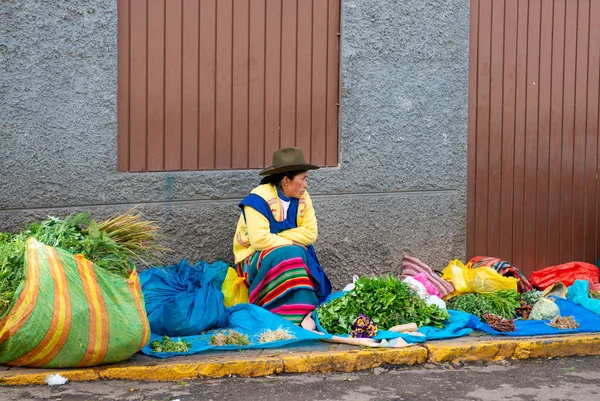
(273, 241)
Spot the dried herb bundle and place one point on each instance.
(232, 337)
(498, 323)
(567, 322)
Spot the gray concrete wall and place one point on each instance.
(400, 187)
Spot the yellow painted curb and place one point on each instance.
(516, 348)
(325, 361)
(353, 360)
(342, 360)
(558, 347)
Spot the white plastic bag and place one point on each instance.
(417, 286)
(350, 286)
(55, 380)
(435, 300)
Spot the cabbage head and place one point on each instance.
(544, 309)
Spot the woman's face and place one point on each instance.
(296, 187)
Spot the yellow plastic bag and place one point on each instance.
(234, 289)
(482, 279)
(455, 273)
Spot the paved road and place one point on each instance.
(544, 380)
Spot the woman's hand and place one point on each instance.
(299, 244)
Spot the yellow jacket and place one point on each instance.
(253, 233)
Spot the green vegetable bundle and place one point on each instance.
(113, 245)
(502, 303)
(531, 297)
(168, 345)
(386, 300)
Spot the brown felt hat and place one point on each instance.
(286, 160)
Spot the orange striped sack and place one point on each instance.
(70, 313)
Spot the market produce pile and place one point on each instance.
(114, 245)
(386, 300)
(501, 303)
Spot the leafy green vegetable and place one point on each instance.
(531, 297)
(387, 300)
(501, 303)
(113, 245)
(168, 345)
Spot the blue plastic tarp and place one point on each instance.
(588, 322)
(247, 319)
(253, 320)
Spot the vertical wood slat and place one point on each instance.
(207, 84)
(304, 77)
(483, 125)
(508, 127)
(256, 129)
(543, 151)
(190, 107)
(579, 152)
(239, 127)
(289, 44)
(568, 111)
(156, 85)
(556, 129)
(532, 132)
(495, 124)
(318, 127)
(173, 84)
(224, 82)
(138, 88)
(123, 39)
(549, 115)
(520, 129)
(272, 85)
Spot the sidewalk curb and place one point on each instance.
(467, 349)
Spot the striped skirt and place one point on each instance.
(279, 281)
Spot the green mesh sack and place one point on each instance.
(68, 313)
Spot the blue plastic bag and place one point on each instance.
(184, 300)
(579, 293)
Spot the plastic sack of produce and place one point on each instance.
(184, 300)
(234, 289)
(504, 268)
(566, 273)
(68, 313)
(481, 280)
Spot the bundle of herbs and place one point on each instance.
(502, 303)
(168, 345)
(386, 300)
(114, 245)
